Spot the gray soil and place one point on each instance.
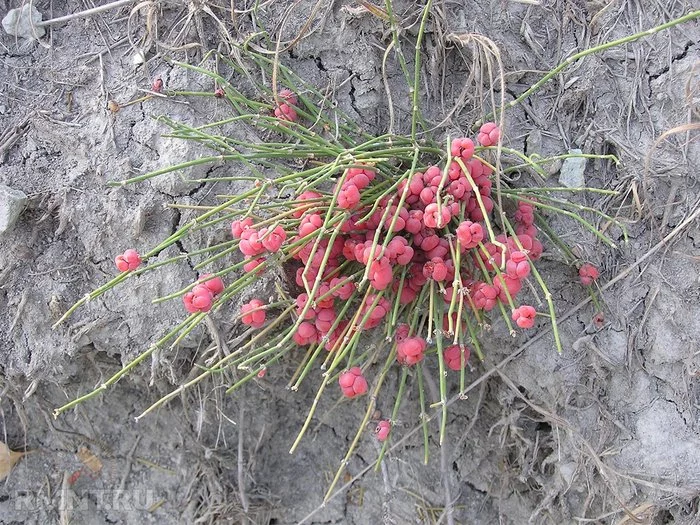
(606, 432)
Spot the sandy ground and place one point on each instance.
(606, 430)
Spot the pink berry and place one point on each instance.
(435, 269)
(345, 290)
(436, 217)
(300, 208)
(325, 317)
(453, 357)
(306, 334)
(288, 96)
(503, 282)
(524, 316)
(588, 273)
(199, 299)
(301, 301)
(469, 234)
(432, 176)
(380, 274)
(382, 430)
(252, 313)
(239, 226)
(401, 332)
(410, 351)
(525, 214)
(251, 244)
(349, 196)
(128, 261)
(485, 296)
(286, 112)
(517, 267)
(187, 300)
(310, 224)
(427, 196)
(252, 264)
(462, 147)
(353, 383)
(489, 134)
(214, 284)
(272, 240)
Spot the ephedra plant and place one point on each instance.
(416, 243)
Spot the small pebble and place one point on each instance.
(572, 171)
(12, 204)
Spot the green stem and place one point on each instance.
(573, 58)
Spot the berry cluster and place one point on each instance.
(433, 231)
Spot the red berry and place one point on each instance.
(325, 317)
(349, 196)
(306, 334)
(414, 223)
(157, 86)
(462, 147)
(469, 234)
(252, 264)
(272, 241)
(517, 267)
(239, 226)
(525, 214)
(346, 289)
(588, 273)
(288, 96)
(435, 269)
(410, 351)
(300, 208)
(214, 284)
(485, 296)
(382, 430)
(219, 93)
(251, 315)
(380, 274)
(128, 261)
(436, 217)
(432, 176)
(376, 313)
(251, 244)
(524, 316)
(599, 320)
(286, 112)
(453, 357)
(353, 383)
(202, 297)
(199, 299)
(489, 134)
(526, 229)
(310, 224)
(401, 332)
(301, 301)
(503, 282)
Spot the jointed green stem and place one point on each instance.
(597, 49)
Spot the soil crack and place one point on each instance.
(666, 69)
(177, 215)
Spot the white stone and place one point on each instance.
(21, 22)
(572, 171)
(12, 204)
